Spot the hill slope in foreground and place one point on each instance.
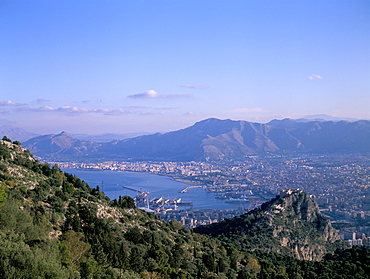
(53, 225)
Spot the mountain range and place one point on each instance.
(214, 139)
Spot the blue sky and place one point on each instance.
(148, 66)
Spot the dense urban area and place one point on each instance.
(338, 183)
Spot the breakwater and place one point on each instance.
(188, 188)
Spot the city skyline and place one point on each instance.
(150, 66)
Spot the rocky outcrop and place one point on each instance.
(297, 225)
(290, 224)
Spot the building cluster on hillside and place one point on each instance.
(340, 184)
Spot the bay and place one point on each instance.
(111, 182)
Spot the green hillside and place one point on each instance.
(53, 225)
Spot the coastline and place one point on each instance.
(174, 178)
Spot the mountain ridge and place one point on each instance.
(60, 145)
(215, 139)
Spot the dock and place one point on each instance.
(190, 187)
(132, 189)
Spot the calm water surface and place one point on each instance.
(156, 185)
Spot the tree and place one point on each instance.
(136, 259)
(5, 138)
(253, 266)
(76, 246)
(176, 225)
(90, 269)
(134, 235)
(3, 194)
(126, 202)
(123, 258)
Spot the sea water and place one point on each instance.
(111, 182)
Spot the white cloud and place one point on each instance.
(189, 113)
(45, 108)
(75, 110)
(146, 94)
(152, 94)
(315, 77)
(71, 109)
(78, 111)
(104, 110)
(119, 111)
(10, 103)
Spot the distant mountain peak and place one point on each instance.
(213, 120)
(63, 134)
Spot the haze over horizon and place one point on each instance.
(148, 66)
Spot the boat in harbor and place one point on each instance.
(237, 200)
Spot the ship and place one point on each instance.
(237, 200)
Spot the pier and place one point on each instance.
(190, 187)
(132, 189)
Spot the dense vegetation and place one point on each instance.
(53, 225)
